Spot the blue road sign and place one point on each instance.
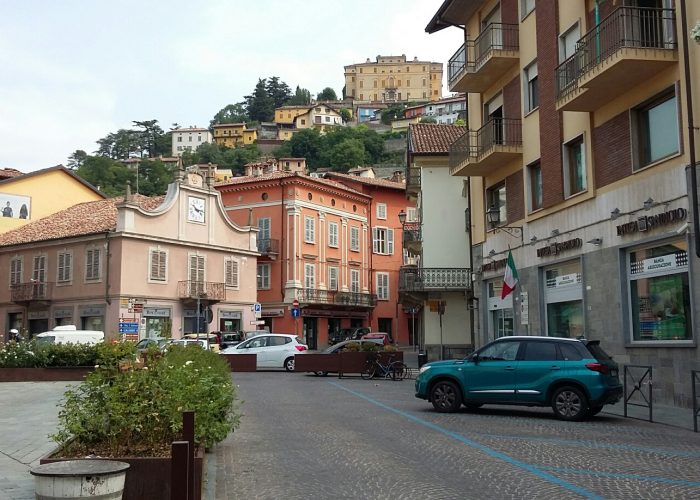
(128, 328)
(295, 313)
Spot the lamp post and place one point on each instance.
(493, 218)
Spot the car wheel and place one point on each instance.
(569, 403)
(473, 406)
(594, 410)
(289, 364)
(446, 397)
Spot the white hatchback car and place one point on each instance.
(273, 350)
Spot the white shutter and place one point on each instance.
(332, 278)
(390, 241)
(231, 273)
(375, 240)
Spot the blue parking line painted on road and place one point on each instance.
(485, 449)
(618, 475)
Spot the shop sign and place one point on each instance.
(38, 315)
(92, 311)
(229, 314)
(63, 313)
(333, 313)
(565, 280)
(274, 312)
(649, 222)
(558, 247)
(656, 264)
(493, 266)
(156, 312)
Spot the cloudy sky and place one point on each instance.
(73, 70)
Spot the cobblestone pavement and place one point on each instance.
(306, 437)
(28, 413)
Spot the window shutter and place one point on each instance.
(162, 265)
(375, 240)
(154, 265)
(232, 273)
(193, 268)
(390, 241)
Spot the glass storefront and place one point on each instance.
(565, 319)
(564, 299)
(501, 321)
(660, 292)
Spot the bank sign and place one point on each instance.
(656, 264)
(649, 222)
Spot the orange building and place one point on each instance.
(318, 241)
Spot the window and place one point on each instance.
(16, 271)
(526, 6)
(264, 227)
(540, 351)
(496, 197)
(383, 286)
(655, 129)
(231, 272)
(574, 167)
(333, 278)
(532, 93)
(534, 172)
(333, 234)
(179, 138)
(659, 292)
(567, 48)
(189, 138)
(309, 276)
(64, 267)
(569, 352)
(382, 241)
(309, 229)
(411, 214)
(263, 276)
(355, 238)
(159, 265)
(196, 272)
(39, 269)
(92, 264)
(381, 211)
(354, 281)
(500, 351)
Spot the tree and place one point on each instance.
(392, 113)
(154, 177)
(327, 94)
(260, 106)
(232, 113)
(110, 176)
(348, 154)
(76, 159)
(345, 115)
(149, 136)
(428, 119)
(301, 97)
(278, 91)
(307, 143)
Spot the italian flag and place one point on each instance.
(510, 280)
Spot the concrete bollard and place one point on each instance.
(103, 479)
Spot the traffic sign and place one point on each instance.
(258, 322)
(295, 304)
(295, 313)
(128, 327)
(257, 309)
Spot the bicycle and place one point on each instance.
(374, 367)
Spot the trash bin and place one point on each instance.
(422, 358)
(73, 479)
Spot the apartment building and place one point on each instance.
(445, 111)
(132, 267)
(579, 144)
(233, 135)
(291, 119)
(390, 79)
(436, 278)
(189, 139)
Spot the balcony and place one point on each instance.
(269, 247)
(412, 237)
(413, 181)
(34, 291)
(434, 279)
(479, 152)
(206, 291)
(628, 47)
(336, 298)
(480, 62)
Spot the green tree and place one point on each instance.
(259, 105)
(392, 113)
(110, 176)
(327, 94)
(278, 91)
(76, 159)
(154, 177)
(347, 154)
(301, 97)
(232, 113)
(148, 136)
(345, 115)
(428, 119)
(306, 143)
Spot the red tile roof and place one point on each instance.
(367, 180)
(7, 173)
(284, 175)
(433, 138)
(91, 217)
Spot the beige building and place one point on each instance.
(189, 139)
(578, 144)
(291, 119)
(134, 268)
(393, 79)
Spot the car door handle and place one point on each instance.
(509, 368)
(555, 368)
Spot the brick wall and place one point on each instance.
(550, 118)
(515, 197)
(509, 12)
(511, 99)
(612, 150)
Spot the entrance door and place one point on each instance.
(333, 328)
(493, 116)
(310, 332)
(384, 325)
(38, 326)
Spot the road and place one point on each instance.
(306, 437)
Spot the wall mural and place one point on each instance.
(14, 206)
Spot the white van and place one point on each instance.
(68, 334)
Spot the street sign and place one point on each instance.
(257, 309)
(128, 327)
(295, 313)
(295, 304)
(258, 322)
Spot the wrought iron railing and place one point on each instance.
(412, 233)
(457, 63)
(460, 150)
(205, 290)
(495, 132)
(268, 246)
(419, 279)
(318, 296)
(34, 290)
(625, 27)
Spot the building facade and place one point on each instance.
(579, 145)
(134, 268)
(391, 79)
(233, 135)
(189, 139)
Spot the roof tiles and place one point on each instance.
(433, 138)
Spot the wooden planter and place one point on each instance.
(147, 477)
(55, 374)
(343, 363)
(242, 362)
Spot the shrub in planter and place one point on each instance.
(21, 355)
(33, 354)
(138, 412)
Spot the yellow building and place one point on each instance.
(232, 135)
(285, 115)
(394, 79)
(37, 194)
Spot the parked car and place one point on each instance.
(384, 337)
(343, 346)
(353, 333)
(230, 339)
(253, 333)
(187, 342)
(213, 339)
(274, 350)
(576, 377)
(145, 344)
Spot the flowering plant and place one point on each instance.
(695, 32)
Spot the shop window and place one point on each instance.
(655, 129)
(564, 300)
(659, 293)
(574, 167)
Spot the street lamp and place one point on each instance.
(402, 217)
(493, 217)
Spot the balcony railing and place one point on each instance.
(334, 297)
(421, 279)
(470, 56)
(412, 233)
(204, 290)
(413, 178)
(268, 246)
(475, 143)
(625, 27)
(27, 292)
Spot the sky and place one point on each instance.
(74, 70)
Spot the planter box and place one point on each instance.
(354, 362)
(147, 477)
(56, 374)
(316, 362)
(242, 362)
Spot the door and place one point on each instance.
(492, 35)
(310, 333)
(538, 367)
(491, 378)
(384, 325)
(39, 278)
(276, 352)
(492, 133)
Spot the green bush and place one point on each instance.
(33, 354)
(138, 411)
(22, 355)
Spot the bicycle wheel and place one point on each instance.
(398, 370)
(369, 370)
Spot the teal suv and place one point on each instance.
(573, 376)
